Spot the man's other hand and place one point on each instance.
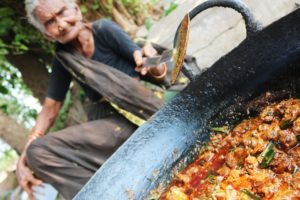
(147, 51)
(25, 176)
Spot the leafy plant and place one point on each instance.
(12, 89)
(170, 8)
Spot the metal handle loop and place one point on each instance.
(252, 26)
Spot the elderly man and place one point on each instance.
(68, 158)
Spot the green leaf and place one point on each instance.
(23, 47)
(95, 6)
(10, 156)
(267, 155)
(83, 9)
(171, 8)
(285, 124)
(4, 108)
(3, 51)
(223, 129)
(21, 37)
(250, 194)
(6, 12)
(5, 25)
(3, 90)
(148, 23)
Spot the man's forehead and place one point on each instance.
(48, 7)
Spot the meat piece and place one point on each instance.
(249, 140)
(290, 109)
(296, 126)
(287, 138)
(270, 187)
(286, 193)
(236, 158)
(269, 114)
(252, 141)
(281, 162)
(251, 163)
(205, 157)
(185, 178)
(234, 176)
(295, 182)
(231, 160)
(176, 193)
(216, 140)
(244, 126)
(224, 171)
(234, 141)
(295, 152)
(260, 177)
(268, 131)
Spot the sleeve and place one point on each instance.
(59, 81)
(116, 39)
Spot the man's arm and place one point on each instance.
(115, 38)
(44, 121)
(47, 116)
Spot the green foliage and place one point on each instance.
(6, 22)
(18, 33)
(134, 6)
(148, 23)
(83, 9)
(173, 5)
(103, 7)
(12, 89)
(17, 37)
(7, 159)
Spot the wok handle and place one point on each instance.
(252, 26)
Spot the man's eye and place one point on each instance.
(49, 22)
(62, 12)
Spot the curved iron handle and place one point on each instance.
(252, 26)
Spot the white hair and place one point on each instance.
(30, 6)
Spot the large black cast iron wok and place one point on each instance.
(232, 89)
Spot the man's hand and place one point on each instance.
(25, 176)
(147, 51)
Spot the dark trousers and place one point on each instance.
(68, 158)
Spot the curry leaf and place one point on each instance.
(285, 124)
(223, 129)
(250, 194)
(3, 90)
(267, 155)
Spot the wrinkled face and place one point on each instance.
(62, 22)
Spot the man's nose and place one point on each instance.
(62, 24)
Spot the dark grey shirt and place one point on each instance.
(112, 47)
